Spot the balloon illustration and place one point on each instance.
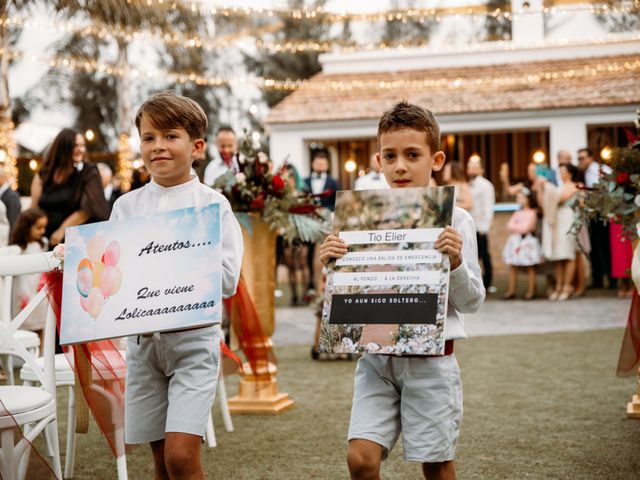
(112, 254)
(98, 277)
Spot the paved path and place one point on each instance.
(295, 325)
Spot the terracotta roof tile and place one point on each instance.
(582, 82)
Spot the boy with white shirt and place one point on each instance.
(418, 397)
(172, 377)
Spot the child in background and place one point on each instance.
(28, 234)
(522, 248)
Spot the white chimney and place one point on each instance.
(527, 26)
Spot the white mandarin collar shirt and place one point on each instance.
(466, 291)
(154, 198)
(484, 198)
(317, 182)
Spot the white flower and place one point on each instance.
(262, 157)
(240, 177)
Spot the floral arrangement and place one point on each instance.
(616, 197)
(255, 189)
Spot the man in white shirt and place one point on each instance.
(600, 254)
(484, 198)
(372, 180)
(223, 158)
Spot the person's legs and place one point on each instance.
(580, 277)
(439, 471)
(513, 283)
(531, 282)
(159, 467)
(485, 258)
(182, 456)
(559, 271)
(364, 458)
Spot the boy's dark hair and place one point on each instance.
(22, 227)
(408, 115)
(166, 110)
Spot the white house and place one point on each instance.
(501, 100)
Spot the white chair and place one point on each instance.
(221, 393)
(30, 340)
(33, 409)
(64, 375)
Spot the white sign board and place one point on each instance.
(141, 275)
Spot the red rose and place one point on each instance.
(623, 179)
(277, 183)
(257, 203)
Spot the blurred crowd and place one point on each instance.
(542, 239)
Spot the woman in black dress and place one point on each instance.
(68, 189)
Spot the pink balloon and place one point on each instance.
(112, 254)
(95, 301)
(83, 304)
(110, 280)
(95, 248)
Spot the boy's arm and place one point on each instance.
(466, 291)
(232, 250)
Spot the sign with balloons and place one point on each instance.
(141, 275)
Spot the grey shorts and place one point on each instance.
(171, 382)
(418, 397)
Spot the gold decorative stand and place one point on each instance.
(259, 390)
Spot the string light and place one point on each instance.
(327, 84)
(125, 161)
(412, 14)
(8, 150)
(476, 13)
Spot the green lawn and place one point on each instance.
(536, 407)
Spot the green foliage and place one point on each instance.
(407, 32)
(616, 197)
(498, 27)
(286, 65)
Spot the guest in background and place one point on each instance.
(4, 226)
(621, 257)
(295, 253)
(559, 245)
(374, 179)
(66, 188)
(28, 234)
(140, 177)
(10, 198)
(453, 174)
(320, 182)
(111, 193)
(483, 197)
(599, 235)
(223, 157)
(522, 249)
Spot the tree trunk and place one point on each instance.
(125, 122)
(5, 102)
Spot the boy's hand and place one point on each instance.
(450, 242)
(332, 247)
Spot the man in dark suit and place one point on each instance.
(323, 185)
(111, 193)
(10, 198)
(320, 182)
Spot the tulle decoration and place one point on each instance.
(630, 351)
(101, 370)
(247, 327)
